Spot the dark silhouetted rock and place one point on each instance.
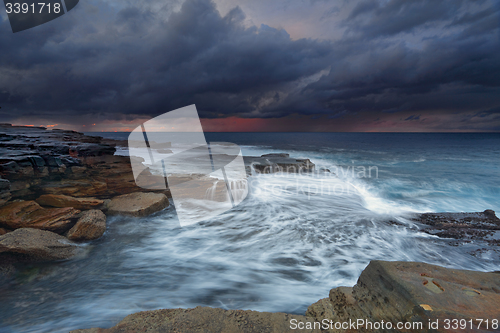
(483, 226)
(273, 163)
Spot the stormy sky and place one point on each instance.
(259, 65)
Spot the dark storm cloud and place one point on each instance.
(379, 18)
(119, 60)
(137, 63)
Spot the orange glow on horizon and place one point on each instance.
(435, 121)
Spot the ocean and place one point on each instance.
(286, 245)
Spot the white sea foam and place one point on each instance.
(284, 247)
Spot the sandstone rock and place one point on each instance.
(137, 204)
(29, 214)
(91, 225)
(3, 231)
(13, 170)
(79, 188)
(60, 201)
(78, 170)
(412, 292)
(19, 185)
(114, 171)
(205, 319)
(37, 244)
(62, 162)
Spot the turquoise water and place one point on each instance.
(285, 246)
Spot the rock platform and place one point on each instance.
(419, 296)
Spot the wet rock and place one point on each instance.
(60, 201)
(282, 155)
(205, 319)
(5, 194)
(55, 164)
(29, 214)
(85, 187)
(273, 163)
(78, 170)
(37, 244)
(115, 172)
(19, 185)
(91, 225)
(482, 226)
(137, 204)
(412, 292)
(62, 162)
(14, 170)
(165, 151)
(4, 184)
(5, 197)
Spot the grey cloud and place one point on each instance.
(123, 60)
(379, 18)
(138, 63)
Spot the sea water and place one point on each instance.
(286, 245)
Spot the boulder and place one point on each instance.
(29, 214)
(412, 292)
(60, 201)
(37, 244)
(137, 204)
(91, 225)
(205, 319)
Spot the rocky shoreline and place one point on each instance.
(64, 184)
(416, 296)
(57, 188)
